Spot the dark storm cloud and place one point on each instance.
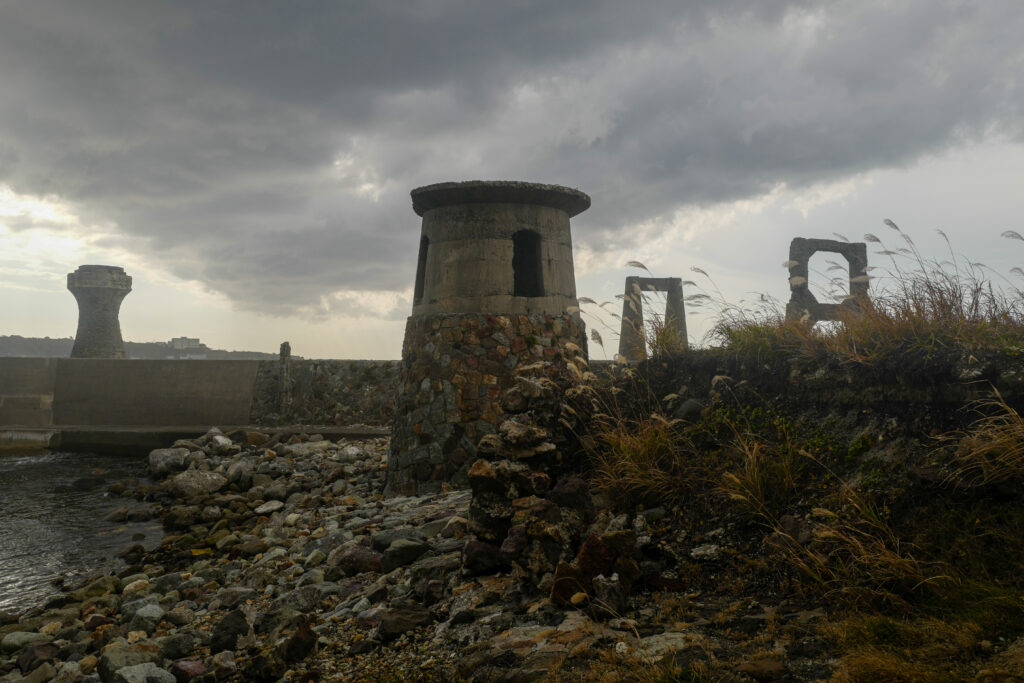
(267, 149)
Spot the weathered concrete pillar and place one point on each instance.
(99, 291)
(284, 359)
(494, 288)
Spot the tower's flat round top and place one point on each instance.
(95, 268)
(498, 191)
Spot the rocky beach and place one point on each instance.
(694, 538)
(54, 532)
(283, 561)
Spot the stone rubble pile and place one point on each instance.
(516, 513)
(534, 515)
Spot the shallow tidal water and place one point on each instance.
(52, 507)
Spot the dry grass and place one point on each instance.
(855, 557)
(918, 304)
(766, 478)
(853, 553)
(641, 458)
(883, 648)
(913, 612)
(992, 450)
(610, 667)
(662, 339)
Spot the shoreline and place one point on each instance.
(284, 561)
(61, 523)
(169, 605)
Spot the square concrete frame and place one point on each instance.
(632, 345)
(802, 303)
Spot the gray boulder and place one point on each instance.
(14, 641)
(117, 658)
(308, 448)
(143, 673)
(395, 622)
(240, 472)
(196, 482)
(44, 672)
(228, 630)
(146, 618)
(164, 461)
(220, 443)
(401, 552)
(176, 646)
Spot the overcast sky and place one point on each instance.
(249, 163)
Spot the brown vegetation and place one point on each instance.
(914, 550)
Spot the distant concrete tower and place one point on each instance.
(495, 287)
(99, 291)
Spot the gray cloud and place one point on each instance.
(267, 150)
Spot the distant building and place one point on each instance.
(183, 343)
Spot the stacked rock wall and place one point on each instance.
(908, 382)
(324, 392)
(529, 506)
(454, 370)
(532, 513)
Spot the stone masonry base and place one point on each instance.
(453, 372)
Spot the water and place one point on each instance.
(51, 521)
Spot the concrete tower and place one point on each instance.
(99, 291)
(495, 247)
(495, 287)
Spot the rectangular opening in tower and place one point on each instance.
(526, 264)
(421, 270)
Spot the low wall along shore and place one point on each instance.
(41, 393)
(27, 386)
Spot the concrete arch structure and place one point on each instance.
(803, 305)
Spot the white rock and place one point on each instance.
(708, 551)
(662, 644)
(194, 482)
(221, 443)
(163, 461)
(269, 507)
(154, 612)
(143, 673)
(308, 448)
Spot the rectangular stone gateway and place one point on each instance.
(802, 303)
(494, 289)
(632, 337)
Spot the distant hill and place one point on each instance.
(35, 347)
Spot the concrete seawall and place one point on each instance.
(136, 405)
(76, 403)
(27, 386)
(153, 392)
